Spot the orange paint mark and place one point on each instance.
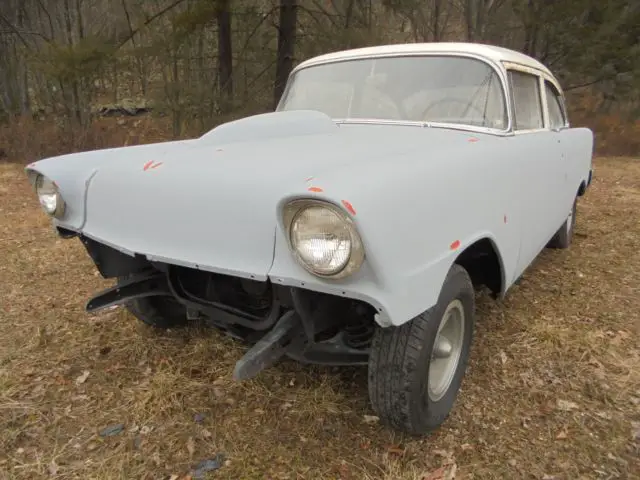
(455, 245)
(157, 165)
(315, 189)
(349, 207)
(473, 140)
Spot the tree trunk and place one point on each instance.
(469, 20)
(286, 45)
(225, 59)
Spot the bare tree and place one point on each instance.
(286, 45)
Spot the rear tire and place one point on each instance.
(410, 387)
(564, 236)
(162, 312)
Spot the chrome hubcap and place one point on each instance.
(446, 351)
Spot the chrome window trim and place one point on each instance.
(565, 119)
(541, 96)
(407, 123)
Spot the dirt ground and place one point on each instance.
(552, 391)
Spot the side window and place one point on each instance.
(526, 95)
(556, 113)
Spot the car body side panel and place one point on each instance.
(578, 145)
(543, 188)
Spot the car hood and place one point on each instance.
(211, 203)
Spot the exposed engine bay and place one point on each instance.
(308, 326)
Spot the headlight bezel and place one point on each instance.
(290, 212)
(60, 205)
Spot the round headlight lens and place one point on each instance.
(49, 196)
(322, 239)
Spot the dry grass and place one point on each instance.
(569, 331)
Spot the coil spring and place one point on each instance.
(359, 332)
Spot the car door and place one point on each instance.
(539, 161)
(558, 124)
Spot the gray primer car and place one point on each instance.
(348, 227)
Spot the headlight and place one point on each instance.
(49, 196)
(323, 238)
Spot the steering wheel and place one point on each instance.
(452, 100)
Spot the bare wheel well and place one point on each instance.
(582, 188)
(483, 264)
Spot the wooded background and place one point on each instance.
(189, 65)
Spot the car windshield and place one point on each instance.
(439, 89)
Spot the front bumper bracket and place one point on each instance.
(270, 348)
(136, 287)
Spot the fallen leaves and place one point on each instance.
(446, 472)
(112, 430)
(208, 465)
(503, 357)
(53, 468)
(448, 469)
(191, 447)
(198, 418)
(82, 378)
(370, 419)
(395, 450)
(566, 405)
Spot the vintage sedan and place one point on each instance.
(350, 226)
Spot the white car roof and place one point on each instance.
(490, 52)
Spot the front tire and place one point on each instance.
(415, 370)
(162, 312)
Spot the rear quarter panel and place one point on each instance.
(578, 144)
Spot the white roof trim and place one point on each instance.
(493, 53)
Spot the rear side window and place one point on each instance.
(527, 101)
(554, 105)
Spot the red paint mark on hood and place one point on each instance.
(151, 164)
(349, 207)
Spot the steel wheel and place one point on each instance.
(447, 349)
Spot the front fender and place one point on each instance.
(73, 173)
(415, 216)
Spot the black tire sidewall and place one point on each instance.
(432, 413)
